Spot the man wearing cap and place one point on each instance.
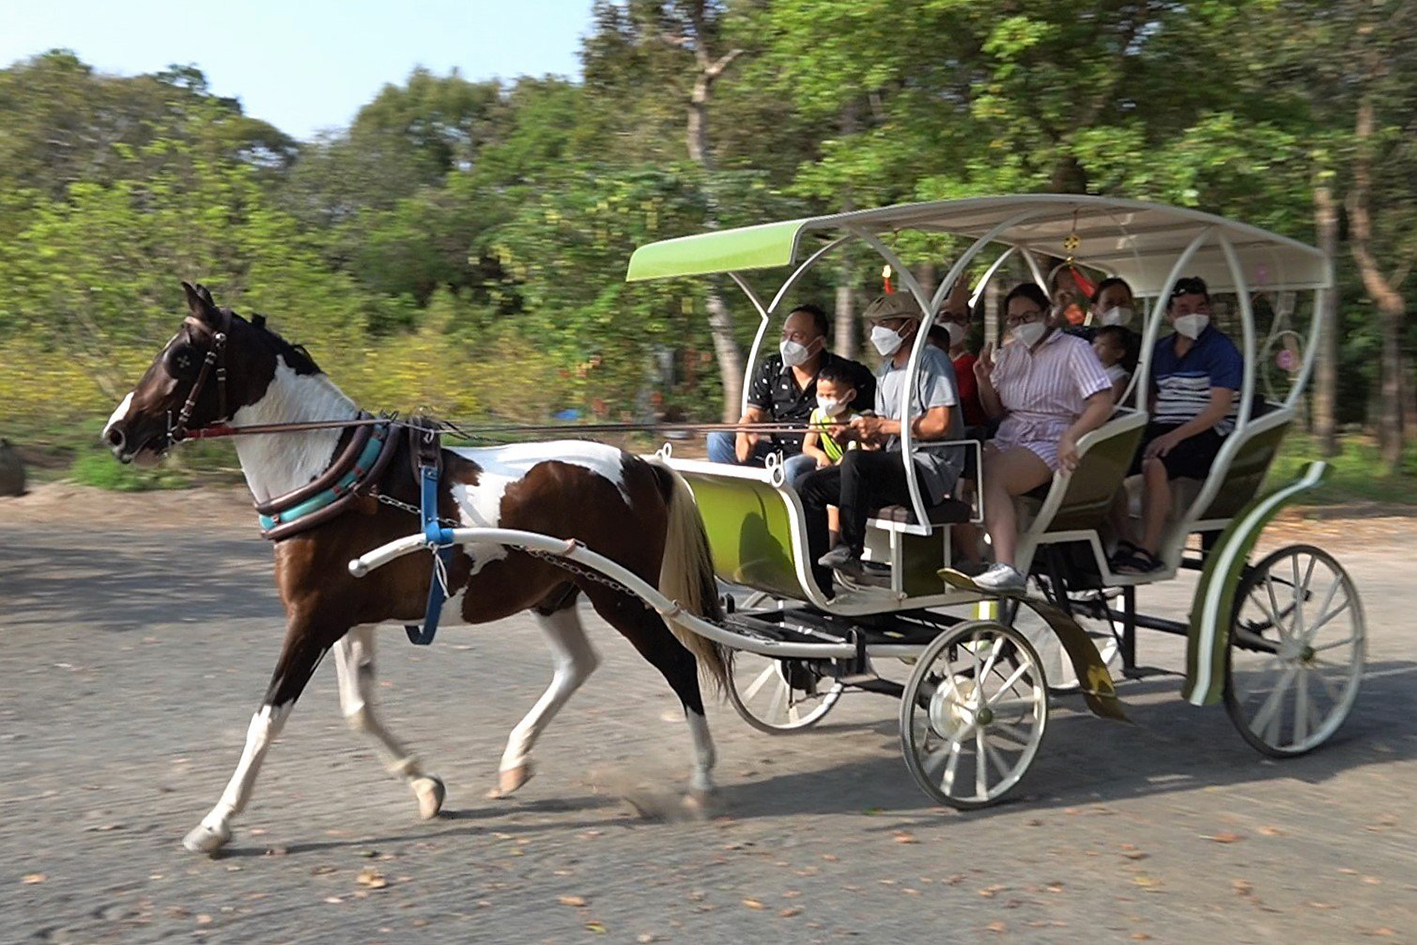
(784, 390)
(1194, 376)
(868, 479)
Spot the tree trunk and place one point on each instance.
(1326, 366)
(846, 327)
(726, 351)
(1392, 307)
(696, 133)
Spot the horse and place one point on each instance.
(636, 511)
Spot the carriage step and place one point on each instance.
(1144, 672)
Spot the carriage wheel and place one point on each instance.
(973, 713)
(1296, 651)
(779, 696)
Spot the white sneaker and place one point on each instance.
(1001, 578)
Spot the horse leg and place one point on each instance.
(300, 654)
(649, 634)
(354, 665)
(575, 659)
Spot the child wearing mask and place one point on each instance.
(1110, 342)
(836, 389)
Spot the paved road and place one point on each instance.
(131, 664)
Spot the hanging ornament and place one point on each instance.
(886, 278)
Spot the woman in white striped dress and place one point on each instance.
(1050, 389)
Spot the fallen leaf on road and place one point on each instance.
(1322, 905)
(1381, 933)
(32, 878)
(752, 903)
(644, 937)
(371, 878)
(595, 927)
(576, 901)
(1146, 882)
(902, 837)
(333, 899)
(997, 927)
(1242, 887)
(204, 919)
(1272, 832)
(789, 912)
(1222, 837)
(989, 892)
(1140, 937)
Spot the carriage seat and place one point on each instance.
(948, 512)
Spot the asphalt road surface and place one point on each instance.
(130, 663)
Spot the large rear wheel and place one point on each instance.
(973, 714)
(1296, 651)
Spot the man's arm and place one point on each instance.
(1221, 399)
(745, 441)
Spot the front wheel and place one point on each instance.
(1296, 651)
(973, 714)
(779, 696)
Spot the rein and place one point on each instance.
(474, 431)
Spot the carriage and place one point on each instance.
(1279, 639)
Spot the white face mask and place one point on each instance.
(1030, 334)
(955, 330)
(831, 406)
(886, 341)
(1116, 315)
(1192, 325)
(793, 353)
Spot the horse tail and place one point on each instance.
(686, 574)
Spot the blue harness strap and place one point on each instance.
(440, 540)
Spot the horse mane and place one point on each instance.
(295, 355)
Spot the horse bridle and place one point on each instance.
(214, 360)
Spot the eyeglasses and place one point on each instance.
(1027, 318)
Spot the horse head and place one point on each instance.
(214, 365)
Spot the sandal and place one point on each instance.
(1138, 561)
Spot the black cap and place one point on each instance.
(1190, 285)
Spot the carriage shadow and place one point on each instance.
(1169, 747)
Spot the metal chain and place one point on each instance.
(390, 500)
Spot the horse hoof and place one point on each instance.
(204, 839)
(430, 793)
(701, 802)
(509, 781)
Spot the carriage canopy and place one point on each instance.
(1136, 240)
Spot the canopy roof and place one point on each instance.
(1133, 239)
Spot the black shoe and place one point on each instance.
(842, 559)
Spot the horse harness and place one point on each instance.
(181, 362)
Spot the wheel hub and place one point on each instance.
(950, 712)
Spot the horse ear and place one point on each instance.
(199, 302)
(206, 295)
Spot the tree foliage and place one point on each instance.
(458, 232)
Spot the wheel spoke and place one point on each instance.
(1273, 665)
(1273, 617)
(1256, 642)
(1009, 684)
(1274, 603)
(981, 766)
(1323, 608)
(1336, 643)
(999, 762)
(951, 765)
(989, 662)
(1301, 708)
(1269, 714)
(758, 683)
(1009, 730)
(974, 661)
(1322, 621)
(1299, 585)
(1006, 705)
(1330, 687)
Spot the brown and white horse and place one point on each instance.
(635, 511)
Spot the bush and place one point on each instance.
(102, 471)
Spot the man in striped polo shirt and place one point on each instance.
(1195, 375)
